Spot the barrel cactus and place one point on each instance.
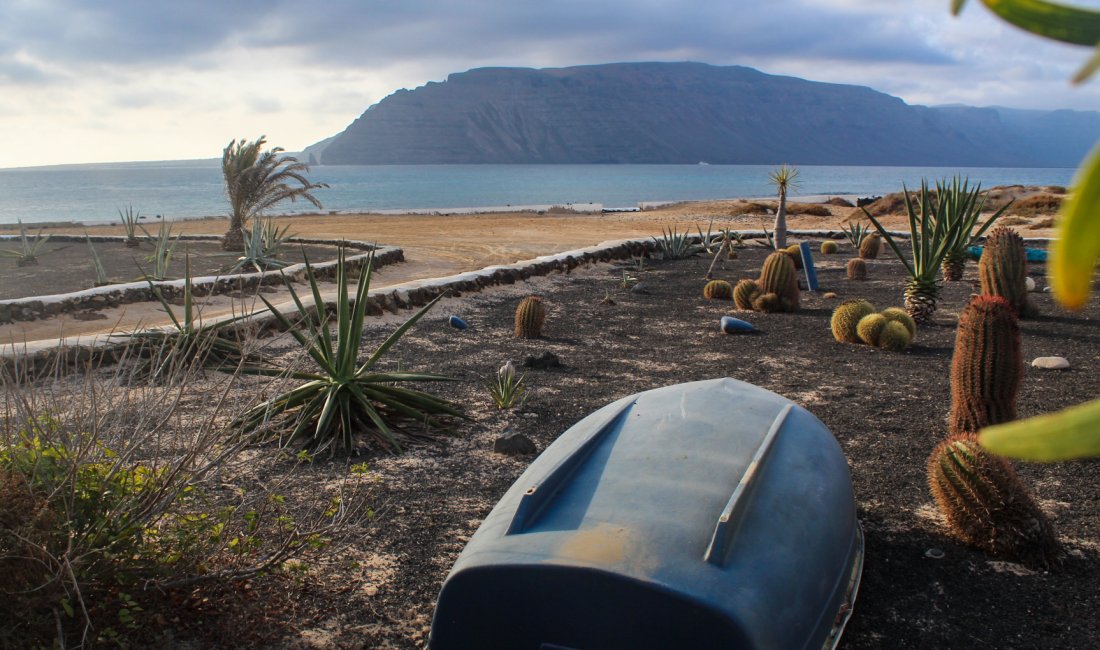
(846, 317)
(779, 276)
(829, 247)
(986, 505)
(869, 328)
(900, 315)
(893, 336)
(530, 315)
(744, 293)
(857, 269)
(1002, 269)
(768, 302)
(795, 251)
(718, 290)
(987, 366)
(870, 246)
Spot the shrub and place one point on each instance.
(1038, 205)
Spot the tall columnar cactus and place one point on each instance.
(744, 293)
(530, 315)
(846, 317)
(857, 269)
(779, 276)
(987, 505)
(987, 366)
(1002, 269)
(870, 246)
(718, 290)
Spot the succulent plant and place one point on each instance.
(718, 290)
(986, 504)
(768, 302)
(855, 233)
(894, 336)
(795, 251)
(1002, 269)
(779, 276)
(869, 327)
(987, 366)
(530, 315)
(829, 247)
(744, 293)
(857, 269)
(846, 317)
(870, 246)
(900, 315)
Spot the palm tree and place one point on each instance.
(256, 180)
(783, 177)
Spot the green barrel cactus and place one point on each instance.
(987, 366)
(718, 290)
(779, 276)
(530, 315)
(744, 293)
(846, 317)
(768, 303)
(894, 336)
(857, 269)
(869, 327)
(901, 316)
(870, 246)
(1002, 269)
(986, 505)
(829, 247)
(795, 251)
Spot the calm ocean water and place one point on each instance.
(183, 189)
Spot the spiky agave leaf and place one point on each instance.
(343, 398)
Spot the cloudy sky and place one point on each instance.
(120, 80)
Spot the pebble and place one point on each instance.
(1050, 363)
(934, 553)
(640, 288)
(1030, 283)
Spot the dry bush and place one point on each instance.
(110, 488)
(840, 202)
(752, 207)
(1041, 224)
(811, 209)
(893, 203)
(1037, 205)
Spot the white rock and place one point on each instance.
(1050, 363)
(1030, 283)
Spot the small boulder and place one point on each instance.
(1030, 283)
(543, 361)
(514, 444)
(457, 323)
(1050, 363)
(731, 325)
(640, 288)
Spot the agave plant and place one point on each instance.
(100, 272)
(856, 232)
(129, 219)
(674, 245)
(188, 340)
(258, 254)
(929, 239)
(163, 247)
(27, 253)
(961, 207)
(343, 397)
(274, 237)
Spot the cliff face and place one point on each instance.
(691, 112)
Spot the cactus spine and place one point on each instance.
(986, 367)
(718, 290)
(870, 246)
(1002, 269)
(829, 247)
(987, 505)
(744, 293)
(846, 317)
(778, 275)
(530, 315)
(857, 269)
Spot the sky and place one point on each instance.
(127, 80)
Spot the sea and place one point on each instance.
(96, 193)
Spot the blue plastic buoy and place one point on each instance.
(731, 325)
(457, 323)
(1032, 254)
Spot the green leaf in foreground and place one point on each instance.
(343, 399)
(1071, 433)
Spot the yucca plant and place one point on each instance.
(27, 253)
(257, 254)
(187, 340)
(100, 272)
(674, 245)
(163, 247)
(344, 398)
(129, 219)
(930, 239)
(506, 389)
(960, 206)
(784, 178)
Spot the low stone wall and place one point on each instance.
(38, 307)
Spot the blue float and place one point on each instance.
(1032, 254)
(457, 323)
(731, 325)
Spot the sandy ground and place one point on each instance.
(438, 246)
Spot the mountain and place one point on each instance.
(687, 113)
